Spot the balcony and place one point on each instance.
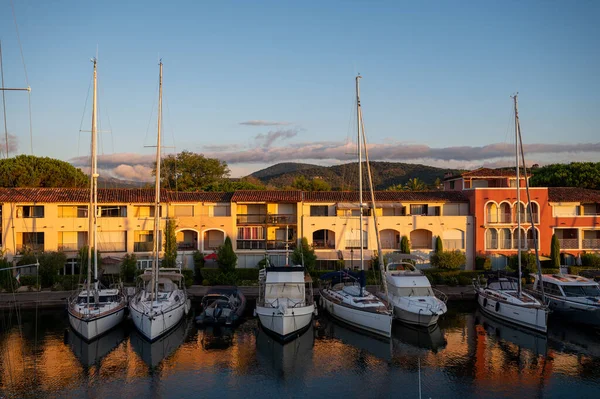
(144, 246)
(453, 244)
(504, 244)
(355, 244)
(591, 243)
(187, 246)
(251, 219)
(251, 244)
(323, 244)
(30, 247)
(568, 243)
(69, 247)
(282, 219)
(504, 217)
(281, 245)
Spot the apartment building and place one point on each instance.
(573, 214)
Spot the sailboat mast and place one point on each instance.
(157, 186)
(360, 187)
(92, 183)
(518, 190)
(95, 177)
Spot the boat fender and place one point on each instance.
(497, 306)
(485, 302)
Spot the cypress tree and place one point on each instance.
(439, 246)
(555, 252)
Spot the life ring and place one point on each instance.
(497, 306)
(485, 302)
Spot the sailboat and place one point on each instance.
(344, 295)
(503, 297)
(161, 301)
(94, 310)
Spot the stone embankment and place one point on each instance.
(57, 299)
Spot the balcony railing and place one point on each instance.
(69, 246)
(504, 217)
(491, 244)
(186, 246)
(523, 244)
(355, 244)
(30, 247)
(142, 246)
(504, 244)
(281, 219)
(568, 243)
(251, 219)
(112, 247)
(385, 244)
(251, 244)
(323, 244)
(452, 244)
(591, 243)
(280, 245)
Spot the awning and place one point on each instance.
(349, 205)
(544, 258)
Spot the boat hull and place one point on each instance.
(285, 325)
(575, 311)
(93, 327)
(376, 323)
(417, 311)
(153, 325)
(535, 318)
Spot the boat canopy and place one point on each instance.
(345, 275)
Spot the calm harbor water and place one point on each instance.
(467, 356)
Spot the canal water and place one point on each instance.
(468, 356)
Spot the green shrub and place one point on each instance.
(247, 274)
(590, 260)
(448, 259)
(576, 269)
(205, 282)
(404, 245)
(464, 280)
(128, 268)
(226, 257)
(439, 245)
(483, 262)
(28, 281)
(528, 263)
(305, 255)
(198, 266)
(188, 276)
(550, 271)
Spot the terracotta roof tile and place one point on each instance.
(199, 196)
(385, 196)
(266, 196)
(573, 194)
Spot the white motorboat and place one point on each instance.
(574, 297)
(93, 310)
(501, 298)
(411, 295)
(285, 306)
(345, 298)
(161, 301)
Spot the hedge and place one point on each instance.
(576, 269)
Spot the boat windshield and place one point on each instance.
(581, 290)
(503, 285)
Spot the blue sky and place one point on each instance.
(437, 80)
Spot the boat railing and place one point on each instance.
(440, 295)
(295, 303)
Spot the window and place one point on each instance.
(144, 264)
(30, 241)
(552, 289)
(220, 210)
(418, 209)
(319, 210)
(30, 211)
(183, 210)
(251, 233)
(143, 211)
(452, 185)
(115, 211)
(72, 211)
(436, 211)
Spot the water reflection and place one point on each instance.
(90, 353)
(152, 353)
(292, 358)
(469, 356)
